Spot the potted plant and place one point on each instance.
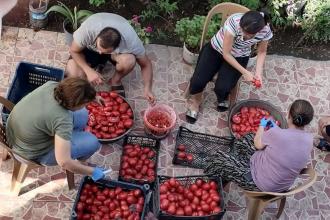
(37, 11)
(73, 19)
(190, 33)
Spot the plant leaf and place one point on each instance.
(82, 15)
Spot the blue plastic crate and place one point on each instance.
(28, 77)
(105, 183)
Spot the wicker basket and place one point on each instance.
(260, 104)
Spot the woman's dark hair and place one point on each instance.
(73, 92)
(109, 38)
(254, 21)
(301, 112)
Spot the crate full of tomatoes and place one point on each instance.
(245, 116)
(194, 149)
(112, 120)
(139, 160)
(108, 199)
(189, 197)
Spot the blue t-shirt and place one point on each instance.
(287, 152)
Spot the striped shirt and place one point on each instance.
(241, 47)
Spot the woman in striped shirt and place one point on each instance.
(228, 54)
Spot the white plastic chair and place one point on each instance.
(5, 7)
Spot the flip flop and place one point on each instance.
(119, 89)
(323, 145)
(223, 106)
(191, 116)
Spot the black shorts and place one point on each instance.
(94, 59)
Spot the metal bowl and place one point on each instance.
(260, 104)
(106, 141)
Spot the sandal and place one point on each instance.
(117, 88)
(191, 116)
(223, 106)
(323, 145)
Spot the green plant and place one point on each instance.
(144, 33)
(276, 8)
(159, 8)
(251, 4)
(190, 30)
(316, 20)
(74, 17)
(97, 3)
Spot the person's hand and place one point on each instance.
(97, 174)
(248, 76)
(272, 123)
(263, 122)
(258, 77)
(149, 96)
(94, 77)
(100, 100)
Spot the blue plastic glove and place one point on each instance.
(272, 124)
(97, 174)
(263, 122)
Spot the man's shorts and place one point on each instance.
(94, 59)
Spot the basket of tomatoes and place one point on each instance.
(159, 120)
(189, 197)
(108, 199)
(245, 116)
(111, 121)
(139, 160)
(193, 149)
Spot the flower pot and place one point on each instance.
(189, 57)
(68, 32)
(38, 16)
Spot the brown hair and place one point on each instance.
(301, 112)
(73, 92)
(109, 38)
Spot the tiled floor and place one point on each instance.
(286, 79)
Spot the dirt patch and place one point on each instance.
(283, 42)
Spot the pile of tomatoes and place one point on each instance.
(248, 120)
(159, 119)
(198, 199)
(138, 164)
(182, 155)
(109, 203)
(111, 120)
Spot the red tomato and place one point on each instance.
(164, 204)
(128, 123)
(113, 94)
(181, 147)
(236, 119)
(182, 155)
(171, 209)
(151, 154)
(189, 157)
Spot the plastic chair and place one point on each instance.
(5, 7)
(225, 9)
(22, 165)
(259, 200)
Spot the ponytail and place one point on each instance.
(301, 112)
(254, 21)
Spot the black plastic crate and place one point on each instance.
(28, 77)
(104, 183)
(201, 146)
(186, 181)
(152, 143)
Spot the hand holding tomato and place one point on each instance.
(149, 96)
(263, 122)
